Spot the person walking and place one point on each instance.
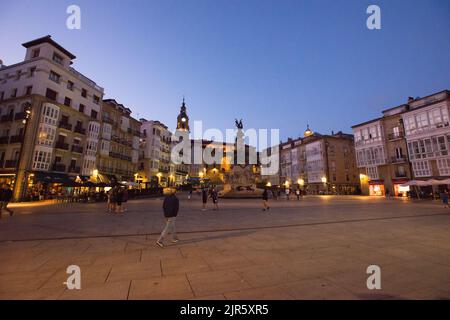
(265, 198)
(5, 198)
(204, 198)
(297, 193)
(110, 203)
(287, 191)
(215, 198)
(444, 197)
(124, 198)
(190, 194)
(171, 205)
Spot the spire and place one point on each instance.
(183, 119)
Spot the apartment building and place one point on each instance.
(408, 142)
(119, 142)
(319, 163)
(381, 153)
(427, 133)
(49, 119)
(155, 166)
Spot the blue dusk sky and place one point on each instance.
(276, 64)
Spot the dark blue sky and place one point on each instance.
(276, 64)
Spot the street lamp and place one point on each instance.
(324, 180)
(301, 182)
(18, 193)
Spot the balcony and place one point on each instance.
(16, 139)
(401, 159)
(62, 145)
(137, 133)
(11, 163)
(4, 140)
(20, 116)
(65, 125)
(7, 118)
(79, 130)
(59, 167)
(395, 136)
(77, 149)
(400, 174)
(74, 169)
(108, 120)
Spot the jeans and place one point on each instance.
(170, 227)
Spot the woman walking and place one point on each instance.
(215, 199)
(204, 198)
(265, 198)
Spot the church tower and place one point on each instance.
(183, 119)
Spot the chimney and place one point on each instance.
(410, 99)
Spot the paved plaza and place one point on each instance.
(316, 248)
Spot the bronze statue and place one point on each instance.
(239, 124)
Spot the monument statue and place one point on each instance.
(240, 181)
(239, 124)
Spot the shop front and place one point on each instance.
(48, 186)
(399, 190)
(7, 178)
(376, 188)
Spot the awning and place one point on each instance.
(400, 181)
(51, 177)
(423, 183)
(376, 182)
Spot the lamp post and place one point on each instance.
(18, 187)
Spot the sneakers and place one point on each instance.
(175, 240)
(160, 244)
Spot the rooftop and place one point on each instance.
(48, 39)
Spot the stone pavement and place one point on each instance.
(316, 248)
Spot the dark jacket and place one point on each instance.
(265, 195)
(170, 206)
(6, 195)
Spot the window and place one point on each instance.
(35, 53)
(401, 172)
(46, 135)
(372, 173)
(81, 109)
(84, 93)
(410, 125)
(41, 160)
(443, 166)
(399, 153)
(67, 101)
(94, 114)
(70, 85)
(54, 76)
(96, 99)
(50, 94)
(422, 120)
(57, 58)
(395, 132)
(18, 74)
(2, 95)
(421, 168)
(28, 90)
(14, 93)
(32, 71)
